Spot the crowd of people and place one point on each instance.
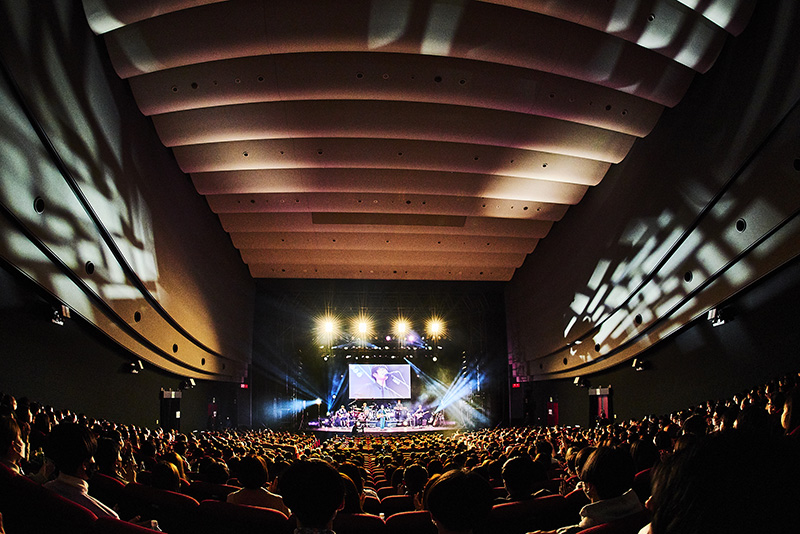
(721, 466)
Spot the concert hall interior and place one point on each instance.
(599, 202)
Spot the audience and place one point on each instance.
(458, 502)
(253, 475)
(522, 479)
(720, 447)
(314, 492)
(71, 446)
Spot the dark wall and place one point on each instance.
(701, 362)
(75, 367)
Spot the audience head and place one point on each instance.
(314, 491)
(12, 447)
(352, 497)
(521, 476)
(607, 473)
(71, 446)
(253, 473)
(414, 478)
(107, 455)
(790, 419)
(165, 476)
(458, 501)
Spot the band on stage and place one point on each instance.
(382, 416)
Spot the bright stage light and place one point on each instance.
(401, 326)
(435, 328)
(327, 329)
(363, 328)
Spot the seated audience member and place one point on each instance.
(109, 461)
(314, 491)
(458, 502)
(644, 454)
(353, 471)
(733, 482)
(253, 475)
(175, 459)
(165, 476)
(607, 479)
(215, 472)
(521, 477)
(353, 501)
(414, 478)
(790, 418)
(71, 447)
(12, 448)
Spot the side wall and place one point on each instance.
(700, 363)
(76, 367)
(703, 207)
(97, 211)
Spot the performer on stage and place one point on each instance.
(342, 417)
(378, 388)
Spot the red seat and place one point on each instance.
(109, 525)
(106, 489)
(627, 525)
(358, 524)
(202, 490)
(372, 505)
(216, 516)
(524, 516)
(418, 522)
(397, 503)
(576, 499)
(641, 484)
(499, 492)
(174, 512)
(28, 507)
(385, 491)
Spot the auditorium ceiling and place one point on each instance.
(427, 140)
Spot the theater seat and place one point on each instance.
(520, 517)
(385, 491)
(28, 507)
(175, 512)
(417, 522)
(627, 525)
(397, 503)
(358, 524)
(202, 490)
(108, 525)
(372, 505)
(216, 516)
(576, 499)
(106, 489)
(641, 484)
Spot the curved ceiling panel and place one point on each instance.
(431, 140)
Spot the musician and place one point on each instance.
(342, 416)
(398, 411)
(419, 415)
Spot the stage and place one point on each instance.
(376, 430)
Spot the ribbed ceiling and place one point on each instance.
(404, 139)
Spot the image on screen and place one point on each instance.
(379, 381)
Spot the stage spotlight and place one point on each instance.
(435, 328)
(435, 358)
(326, 329)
